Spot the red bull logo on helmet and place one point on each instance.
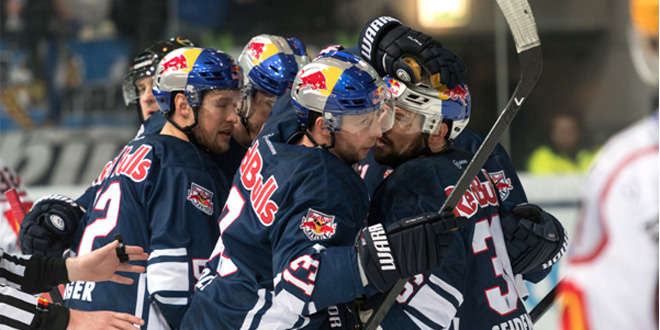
(176, 63)
(314, 80)
(317, 225)
(378, 95)
(457, 93)
(256, 49)
(201, 198)
(502, 183)
(394, 86)
(260, 51)
(181, 59)
(321, 80)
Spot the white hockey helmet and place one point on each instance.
(433, 105)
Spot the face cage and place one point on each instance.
(129, 91)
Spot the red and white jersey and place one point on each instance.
(612, 276)
(9, 226)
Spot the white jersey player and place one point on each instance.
(612, 276)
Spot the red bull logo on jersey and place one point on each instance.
(457, 93)
(260, 192)
(479, 194)
(317, 225)
(502, 183)
(133, 165)
(201, 198)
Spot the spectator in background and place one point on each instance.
(566, 153)
(8, 224)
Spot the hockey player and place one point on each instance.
(43, 239)
(477, 277)
(270, 63)
(163, 192)
(287, 249)
(612, 271)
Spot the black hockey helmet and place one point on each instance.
(145, 64)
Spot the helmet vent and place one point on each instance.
(417, 99)
(355, 103)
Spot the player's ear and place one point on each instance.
(321, 130)
(181, 104)
(439, 139)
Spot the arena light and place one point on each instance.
(443, 14)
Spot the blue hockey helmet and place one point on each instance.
(192, 70)
(337, 85)
(270, 63)
(433, 105)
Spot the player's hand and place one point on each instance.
(101, 264)
(409, 55)
(417, 244)
(46, 229)
(535, 240)
(102, 320)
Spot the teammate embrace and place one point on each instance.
(298, 240)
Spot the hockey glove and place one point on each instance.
(47, 228)
(410, 56)
(535, 240)
(409, 247)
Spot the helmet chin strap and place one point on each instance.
(188, 129)
(322, 146)
(427, 149)
(247, 103)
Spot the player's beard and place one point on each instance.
(211, 142)
(396, 151)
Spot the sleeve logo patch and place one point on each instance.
(201, 198)
(502, 183)
(318, 226)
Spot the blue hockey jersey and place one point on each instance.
(499, 168)
(153, 125)
(475, 288)
(163, 194)
(288, 233)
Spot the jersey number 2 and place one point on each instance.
(101, 227)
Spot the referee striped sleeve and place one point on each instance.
(17, 309)
(12, 269)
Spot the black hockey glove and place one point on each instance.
(409, 247)
(409, 55)
(46, 229)
(535, 240)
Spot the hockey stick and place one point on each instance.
(15, 204)
(544, 305)
(520, 19)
